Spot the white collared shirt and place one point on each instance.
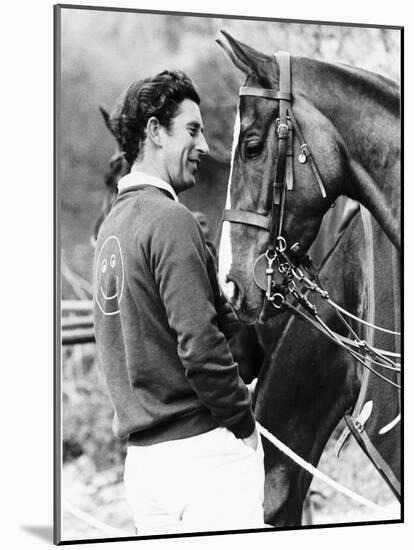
(141, 178)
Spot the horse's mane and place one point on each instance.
(348, 217)
(373, 85)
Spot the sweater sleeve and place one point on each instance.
(227, 320)
(179, 264)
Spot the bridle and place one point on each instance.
(266, 277)
(278, 283)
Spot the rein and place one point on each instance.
(359, 349)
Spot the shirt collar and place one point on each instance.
(136, 178)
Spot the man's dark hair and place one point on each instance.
(158, 97)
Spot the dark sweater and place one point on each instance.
(160, 324)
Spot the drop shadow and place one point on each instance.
(43, 532)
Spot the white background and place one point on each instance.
(26, 269)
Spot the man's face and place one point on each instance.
(183, 146)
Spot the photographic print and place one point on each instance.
(228, 274)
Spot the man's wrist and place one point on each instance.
(244, 427)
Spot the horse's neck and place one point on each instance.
(387, 269)
(376, 296)
(365, 108)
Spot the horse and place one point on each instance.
(334, 128)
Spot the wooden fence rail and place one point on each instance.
(76, 306)
(77, 327)
(77, 321)
(78, 336)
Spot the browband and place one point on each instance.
(267, 93)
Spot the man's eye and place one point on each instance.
(253, 148)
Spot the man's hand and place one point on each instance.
(253, 440)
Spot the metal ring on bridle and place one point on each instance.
(297, 273)
(267, 254)
(281, 299)
(283, 130)
(284, 269)
(281, 247)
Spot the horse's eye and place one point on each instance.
(253, 148)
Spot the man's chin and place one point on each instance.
(188, 184)
(183, 185)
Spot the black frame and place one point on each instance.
(57, 275)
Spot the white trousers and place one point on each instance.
(208, 482)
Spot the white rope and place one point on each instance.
(93, 522)
(315, 472)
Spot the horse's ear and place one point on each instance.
(244, 57)
(234, 59)
(105, 116)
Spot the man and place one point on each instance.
(194, 459)
(202, 220)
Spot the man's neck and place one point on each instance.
(141, 176)
(150, 168)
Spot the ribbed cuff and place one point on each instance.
(245, 426)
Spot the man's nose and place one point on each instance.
(202, 146)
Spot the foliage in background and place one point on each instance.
(87, 411)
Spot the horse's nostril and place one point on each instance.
(233, 292)
(236, 290)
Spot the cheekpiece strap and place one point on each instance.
(283, 61)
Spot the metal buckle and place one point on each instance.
(282, 246)
(282, 130)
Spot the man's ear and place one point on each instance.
(154, 131)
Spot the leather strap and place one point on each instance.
(375, 457)
(369, 250)
(279, 186)
(267, 93)
(289, 159)
(309, 155)
(247, 217)
(285, 88)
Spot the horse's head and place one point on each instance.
(258, 213)
(118, 167)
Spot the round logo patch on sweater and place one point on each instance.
(109, 276)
